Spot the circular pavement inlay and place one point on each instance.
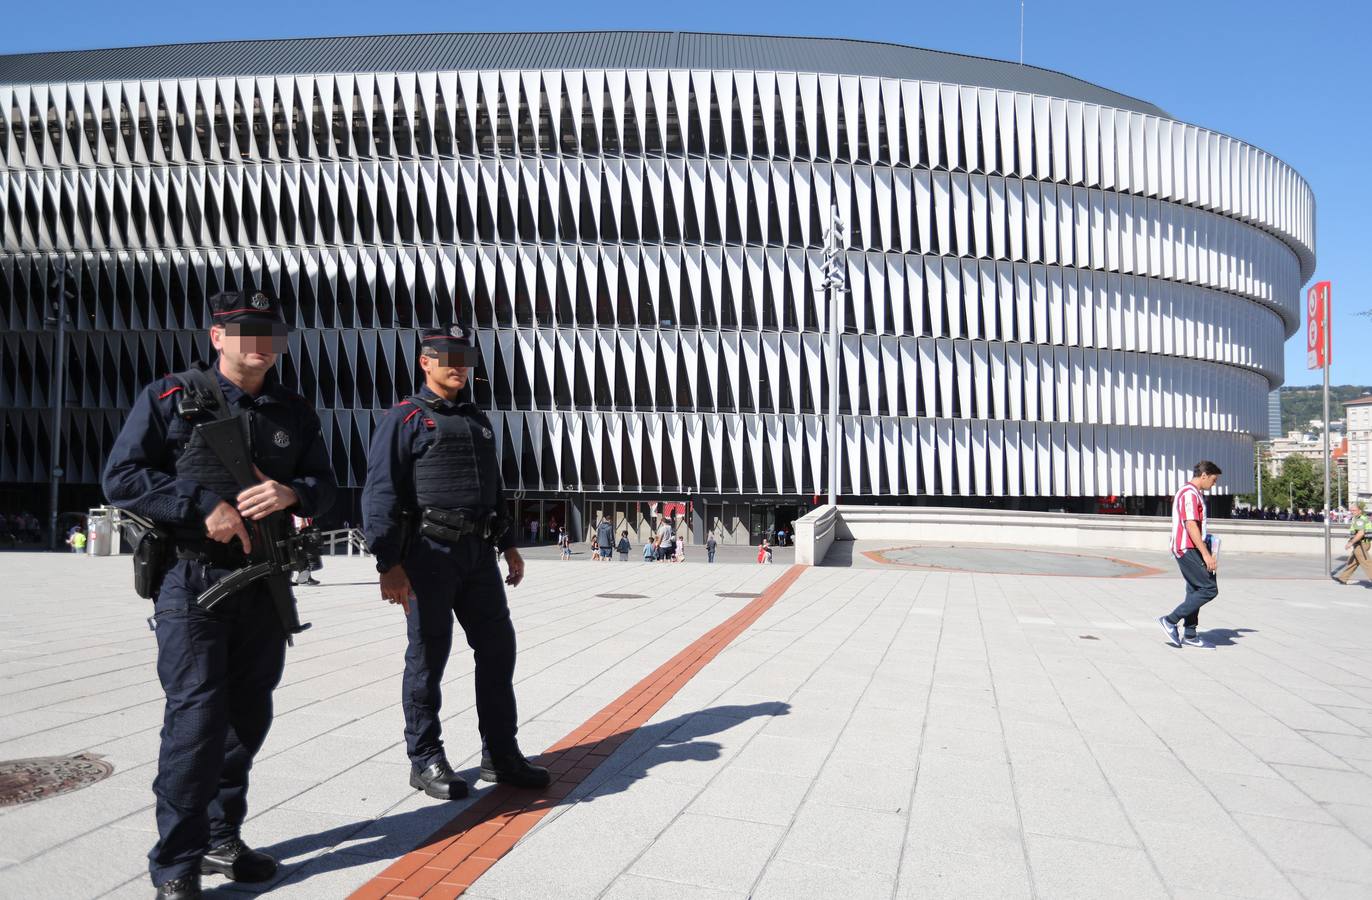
(27, 780)
(1001, 561)
(739, 596)
(623, 596)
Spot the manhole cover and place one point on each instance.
(736, 596)
(623, 596)
(27, 780)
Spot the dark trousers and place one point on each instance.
(1201, 587)
(218, 671)
(460, 580)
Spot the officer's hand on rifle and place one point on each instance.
(516, 564)
(395, 587)
(224, 523)
(261, 500)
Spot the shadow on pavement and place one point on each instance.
(393, 836)
(1225, 637)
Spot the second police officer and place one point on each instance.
(434, 517)
(217, 667)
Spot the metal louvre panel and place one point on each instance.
(1045, 293)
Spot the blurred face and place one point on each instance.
(252, 346)
(447, 371)
(1208, 481)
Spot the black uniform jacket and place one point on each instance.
(140, 474)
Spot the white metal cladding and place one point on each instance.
(1047, 297)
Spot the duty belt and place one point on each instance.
(452, 525)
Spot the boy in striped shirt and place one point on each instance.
(1191, 546)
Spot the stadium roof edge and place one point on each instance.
(550, 50)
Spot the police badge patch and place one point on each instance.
(260, 302)
(487, 433)
(281, 439)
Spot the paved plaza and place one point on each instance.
(859, 731)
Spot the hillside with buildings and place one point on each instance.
(1302, 405)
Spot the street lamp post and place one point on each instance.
(58, 312)
(834, 285)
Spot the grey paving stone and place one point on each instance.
(947, 775)
(364, 791)
(1075, 814)
(1067, 869)
(1224, 860)
(1329, 786)
(1325, 850)
(865, 785)
(1267, 797)
(752, 795)
(953, 824)
(841, 837)
(718, 853)
(637, 887)
(786, 879)
(929, 872)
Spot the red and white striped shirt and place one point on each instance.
(1187, 505)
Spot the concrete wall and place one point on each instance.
(816, 532)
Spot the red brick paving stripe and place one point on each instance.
(452, 858)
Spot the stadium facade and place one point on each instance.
(1056, 293)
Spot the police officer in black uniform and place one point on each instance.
(434, 516)
(218, 668)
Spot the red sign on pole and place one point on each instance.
(1317, 336)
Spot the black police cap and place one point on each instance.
(454, 339)
(230, 307)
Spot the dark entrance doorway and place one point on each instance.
(537, 521)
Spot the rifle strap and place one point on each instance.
(201, 379)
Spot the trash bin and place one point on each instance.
(99, 532)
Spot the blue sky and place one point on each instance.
(1290, 78)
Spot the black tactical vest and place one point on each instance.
(459, 470)
(275, 438)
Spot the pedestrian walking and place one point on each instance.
(217, 667)
(710, 546)
(435, 515)
(565, 543)
(1359, 537)
(533, 531)
(605, 538)
(1194, 549)
(595, 549)
(624, 546)
(77, 541)
(650, 550)
(664, 538)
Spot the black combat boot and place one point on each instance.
(513, 769)
(187, 888)
(439, 781)
(237, 861)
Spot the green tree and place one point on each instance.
(1299, 485)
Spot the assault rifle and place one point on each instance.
(276, 551)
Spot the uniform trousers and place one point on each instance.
(461, 581)
(1357, 558)
(218, 670)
